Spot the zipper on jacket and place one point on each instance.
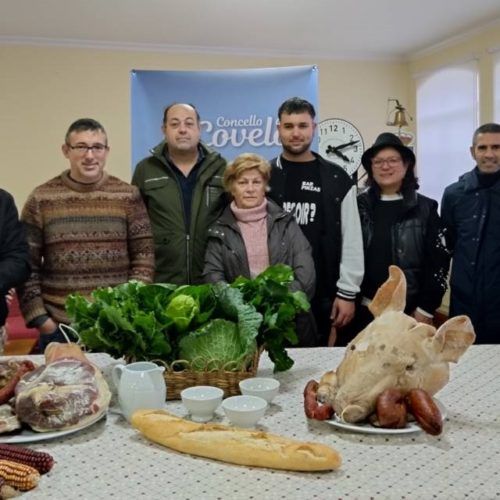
(187, 229)
(188, 258)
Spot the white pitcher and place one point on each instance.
(140, 386)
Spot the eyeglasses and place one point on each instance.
(96, 149)
(392, 162)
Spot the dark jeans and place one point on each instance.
(321, 308)
(307, 331)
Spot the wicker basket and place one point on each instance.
(178, 376)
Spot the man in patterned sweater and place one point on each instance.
(86, 229)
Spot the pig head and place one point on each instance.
(394, 350)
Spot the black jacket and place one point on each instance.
(471, 215)
(335, 183)
(418, 248)
(14, 251)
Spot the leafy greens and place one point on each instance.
(269, 293)
(210, 325)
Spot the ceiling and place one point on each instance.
(332, 29)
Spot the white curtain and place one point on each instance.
(496, 87)
(447, 115)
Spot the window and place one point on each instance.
(447, 115)
(496, 88)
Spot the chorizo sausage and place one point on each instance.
(425, 411)
(391, 409)
(8, 390)
(312, 407)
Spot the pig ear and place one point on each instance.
(391, 296)
(454, 337)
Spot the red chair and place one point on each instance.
(16, 328)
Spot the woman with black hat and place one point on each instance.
(399, 227)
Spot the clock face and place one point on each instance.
(341, 143)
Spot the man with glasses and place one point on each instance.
(85, 228)
(181, 183)
(322, 197)
(471, 213)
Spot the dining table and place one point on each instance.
(110, 459)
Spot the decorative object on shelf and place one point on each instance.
(341, 142)
(397, 116)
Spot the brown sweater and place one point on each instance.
(82, 237)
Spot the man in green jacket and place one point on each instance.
(181, 183)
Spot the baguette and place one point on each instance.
(234, 445)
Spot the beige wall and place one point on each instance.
(43, 89)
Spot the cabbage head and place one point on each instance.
(217, 345)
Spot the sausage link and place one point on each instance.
(391, 409)
(8, 390)
(425, 411)
(312, 407)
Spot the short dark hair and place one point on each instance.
(167, 109)
(296, 105)
(83, 124)
(487, 128)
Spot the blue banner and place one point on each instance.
(238, 108)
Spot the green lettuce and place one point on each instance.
(116, 321)
(181, 310)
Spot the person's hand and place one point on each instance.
(342, 312)
(10, 296)
(49, 332)
(421, 318)
(49, 326)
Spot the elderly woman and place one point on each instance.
(253, 233)
(399, 227)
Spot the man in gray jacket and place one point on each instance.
(181, 184)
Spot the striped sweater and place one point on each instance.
(82, 237)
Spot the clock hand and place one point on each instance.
(346, 145)
(333, 150)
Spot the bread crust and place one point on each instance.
(234, 445)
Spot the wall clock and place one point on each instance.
(341, 142)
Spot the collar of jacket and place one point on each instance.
(203, 152)
(410, 200)
(316, 156)
(471, 181)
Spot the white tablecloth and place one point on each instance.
(111, 460)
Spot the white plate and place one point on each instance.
(367, 428)
(29, 436)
